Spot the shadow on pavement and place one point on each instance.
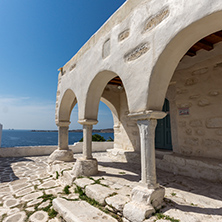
(6, 171)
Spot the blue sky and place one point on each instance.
(37, 38)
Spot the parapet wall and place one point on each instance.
(0, 134)
(47, 150)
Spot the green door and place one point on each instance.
(163, 130)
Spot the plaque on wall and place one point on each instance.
(184, 111)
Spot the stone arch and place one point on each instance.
(94, 93)
(67, 104)
(174, 51)
(113, 109)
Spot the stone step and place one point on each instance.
(80, 211)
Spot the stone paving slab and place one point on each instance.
(11, 203)
(186, 199)
(34, 202)
(98, 192)
(24, 192)
(21, 186)
(39, 216)
(80, 211)
(13, 211)
(117, 201)
(82, 182)
(17, 217)
(32, 196)
(48, 184)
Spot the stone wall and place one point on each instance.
(47, 150)
(126, 132)
(195, 97)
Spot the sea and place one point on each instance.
(16, 138)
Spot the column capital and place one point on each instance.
(147, 114)
(63, 123)
(88, 121)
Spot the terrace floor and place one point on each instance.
(26, 191)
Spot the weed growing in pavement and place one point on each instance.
(79, 177)
(57, 174)
(113, 194)
(165, 217)
(52, 213)
(98, 181)
(46, 197)
(93, 202)
(66, 189)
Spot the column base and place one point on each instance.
(85, 167)
(144, 202)
(61, 155)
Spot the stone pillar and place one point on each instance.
(63, 153)
(87, 141)
(63, 137)
(87, 165)
(148, 196)
(147, 141)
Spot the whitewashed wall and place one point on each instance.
(47, 150)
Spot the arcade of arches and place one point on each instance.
(147, 80)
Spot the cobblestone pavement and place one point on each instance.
(26, 191)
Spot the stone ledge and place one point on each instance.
(197, 167)
(80, 211)
(98, 192)
(120, 155)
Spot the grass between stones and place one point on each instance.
(66, 189)
(165, 217)
(93, 202)
(98, 181)
(160, 215)
(65, 170)
(3, 216)
(57, 175)
(51, 212)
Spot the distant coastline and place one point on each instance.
(110, 130)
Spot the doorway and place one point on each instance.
(163, 130)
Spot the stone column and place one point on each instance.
(147, 144)
(87, 165)
(63, 153)
(147, 122)
(148, 196)
(87, 141)
(63, 132)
